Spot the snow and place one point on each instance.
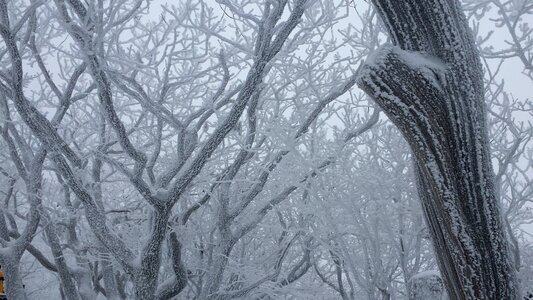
(431, 67)
(161, 193)
(425, 274)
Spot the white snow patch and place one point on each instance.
(424, 274)
(160, 193)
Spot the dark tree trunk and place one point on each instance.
(430, 84)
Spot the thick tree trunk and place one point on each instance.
(430, 84)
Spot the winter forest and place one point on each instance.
(266, 149)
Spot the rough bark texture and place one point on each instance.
(430, 84)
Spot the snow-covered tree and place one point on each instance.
(430, 84)
(222, 150)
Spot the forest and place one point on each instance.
(266, 149)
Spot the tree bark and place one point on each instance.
(110, 283)
(65, 277)
(430, 84)
(13, 280)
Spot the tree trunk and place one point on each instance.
(13, 281)
(65, 277)
(109, 279)
(430, 84)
